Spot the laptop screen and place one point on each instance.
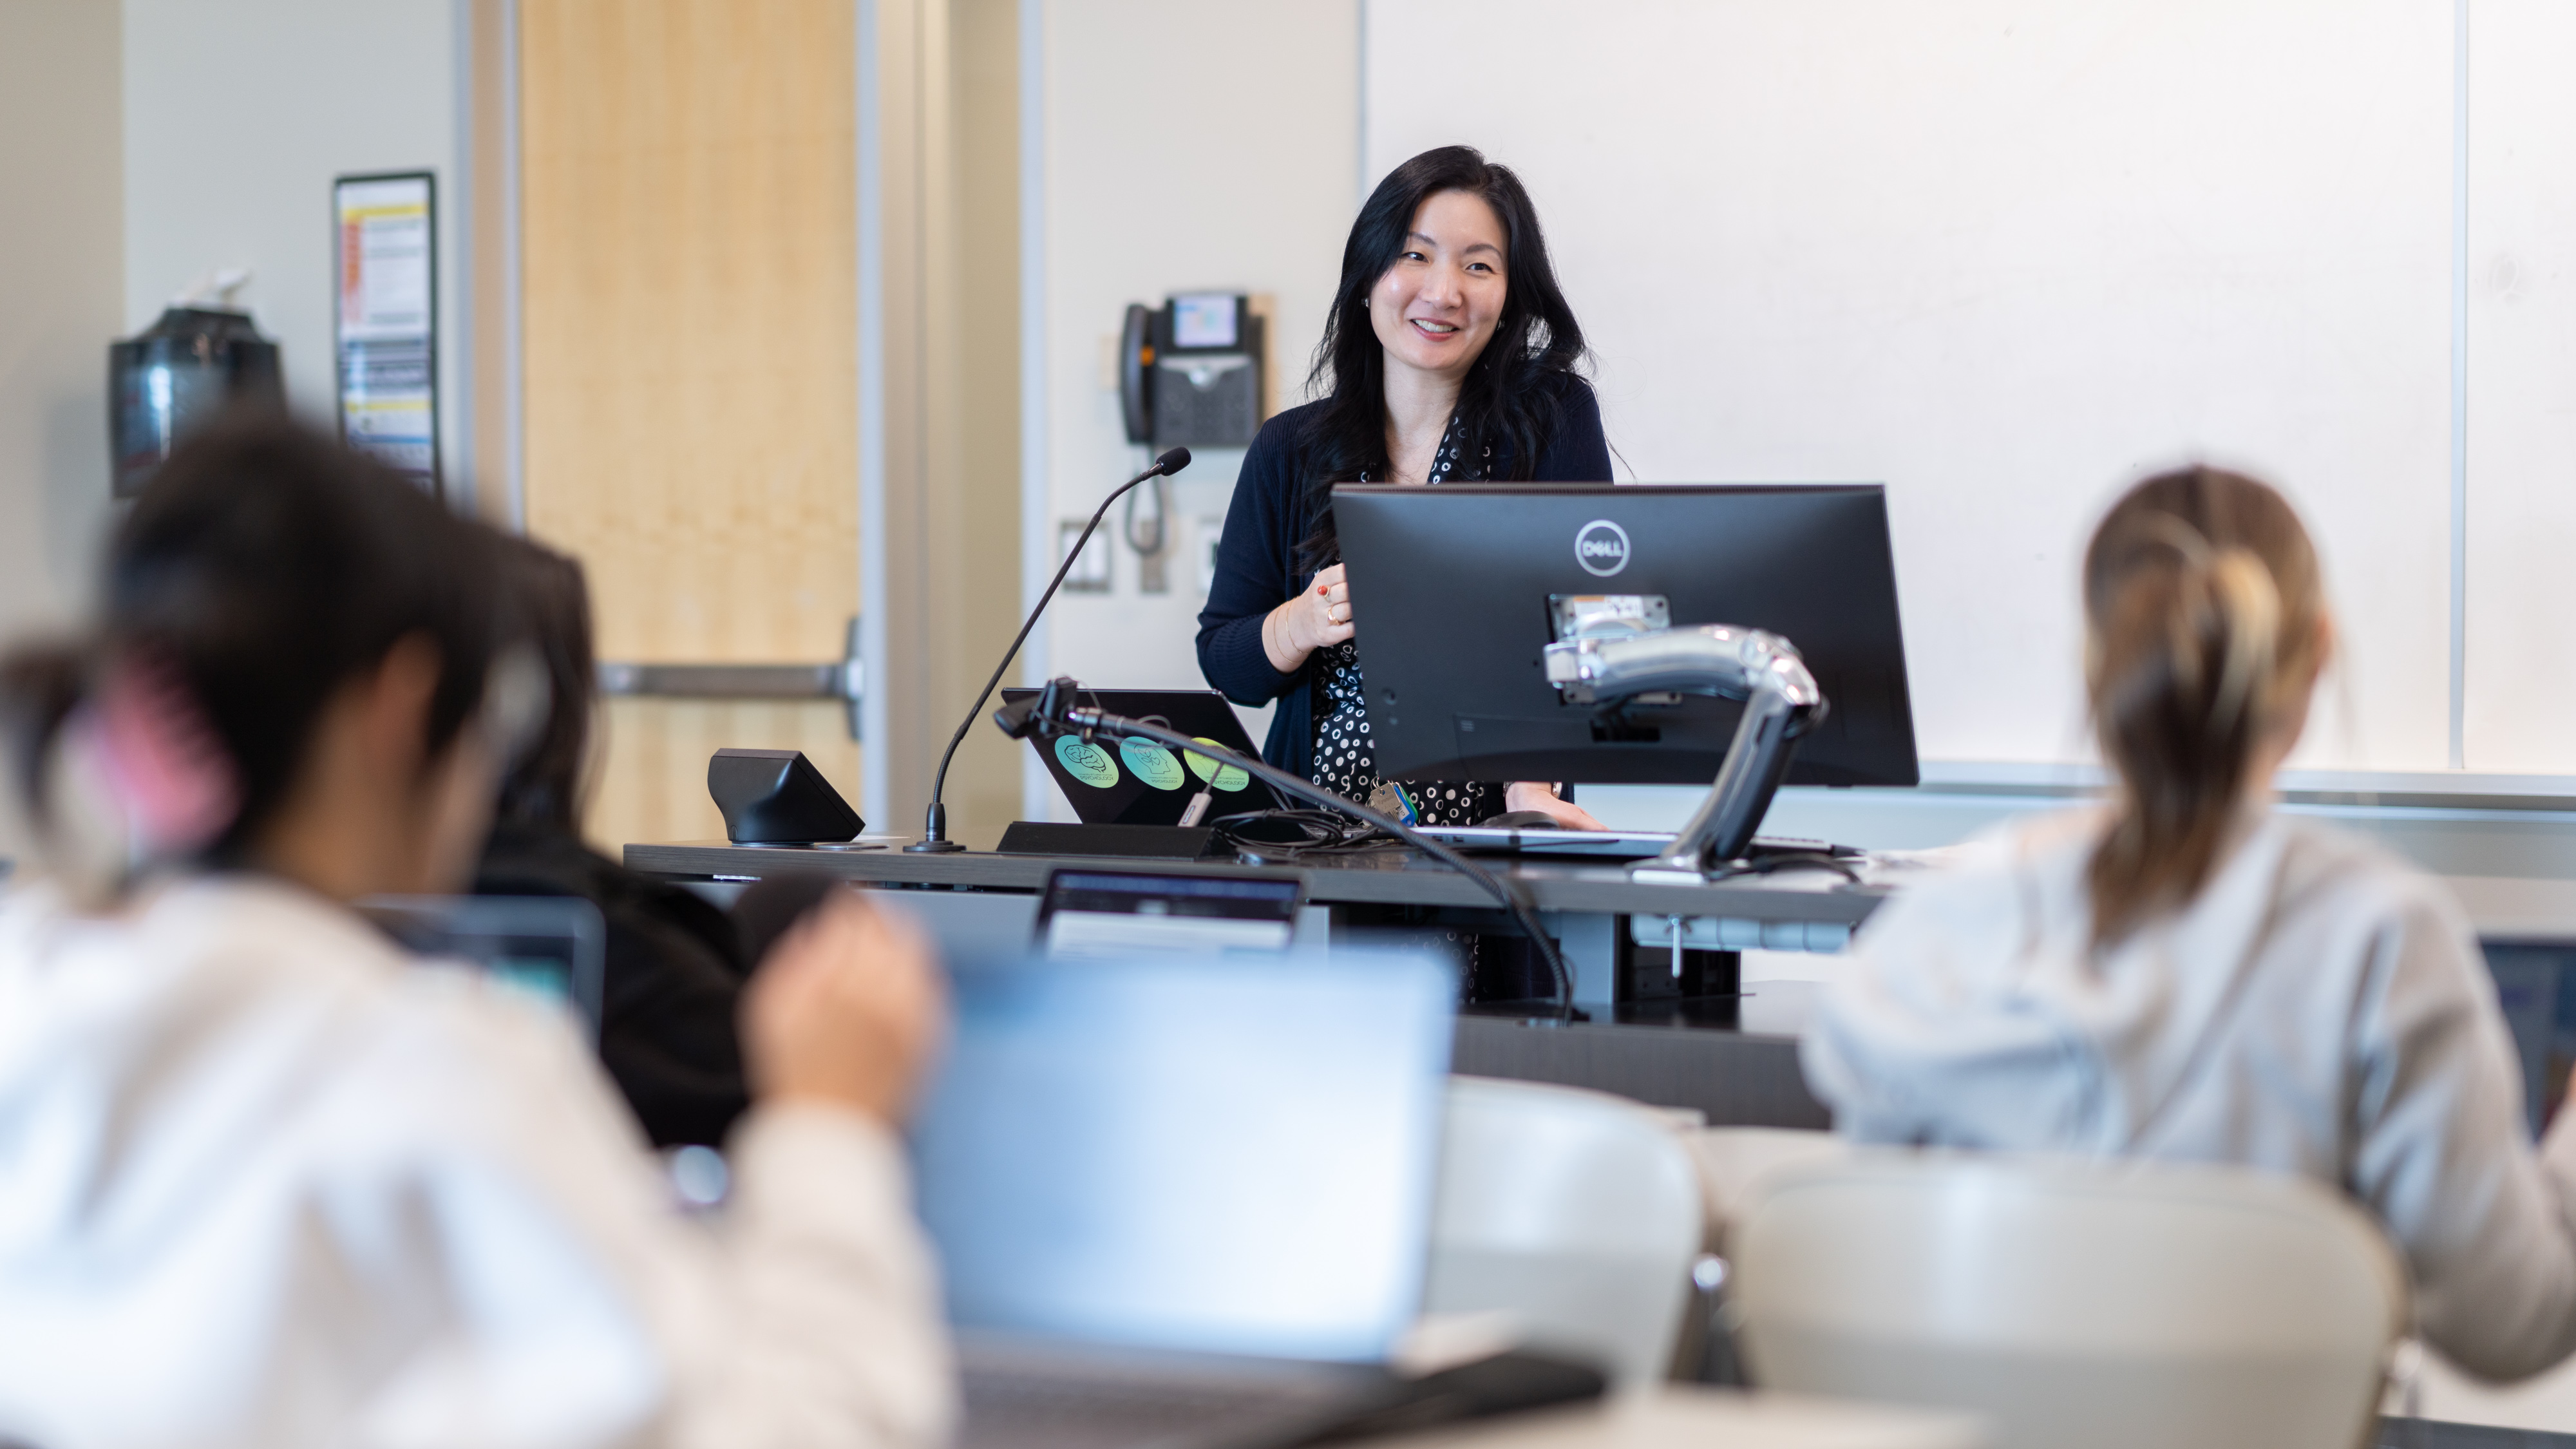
(1166, 1154)
(553, 947)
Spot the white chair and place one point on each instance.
(2108, 1305)
(1735, 1162)
(1574, 1213)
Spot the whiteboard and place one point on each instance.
(2004, 256)
(2521, 698)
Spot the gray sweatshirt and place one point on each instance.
(2319, 1008)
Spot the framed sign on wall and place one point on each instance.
(386, 318)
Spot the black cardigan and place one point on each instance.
(1257, 571)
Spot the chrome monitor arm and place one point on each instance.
(1781, 703)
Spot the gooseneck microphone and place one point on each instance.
(934, 827)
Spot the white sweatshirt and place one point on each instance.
(2320, 1008)
(265, 1181)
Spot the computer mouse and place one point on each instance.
(1521, 820)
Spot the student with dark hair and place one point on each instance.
(2188, 974)
(268, 1180)
(676, 965)
(1450, 356)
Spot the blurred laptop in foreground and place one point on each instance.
(1184, 1202)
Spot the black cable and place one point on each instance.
(1503, 891)
(934, 825)
(1315, 832)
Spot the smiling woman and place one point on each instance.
(1450, 356)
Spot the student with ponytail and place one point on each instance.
(266, 1181)
(2187, 974)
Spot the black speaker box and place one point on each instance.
(777, 797)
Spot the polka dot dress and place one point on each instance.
(1345, 759)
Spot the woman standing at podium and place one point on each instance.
(1450, 357)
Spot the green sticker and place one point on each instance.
(1090, 764)
(1225, 778)
(1152, 763)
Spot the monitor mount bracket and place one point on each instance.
(1781, 704)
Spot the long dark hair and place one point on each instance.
(2202, 603)
(262, 568)
(549, 600)
(1507, 404)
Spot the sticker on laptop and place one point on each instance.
(1086, 762)
(1224, 778)
(1153, 764)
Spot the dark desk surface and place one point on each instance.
(1732, 1062)
(1386, 877)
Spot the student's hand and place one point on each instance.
(1316, 619)
(848, 1009)
(1531, 795)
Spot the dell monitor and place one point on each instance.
(1459, 589)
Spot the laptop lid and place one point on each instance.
(1139, 783)
(1155, 1153)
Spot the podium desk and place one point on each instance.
(1692, 1037)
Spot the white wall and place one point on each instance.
(60, 301)
(1186, 147)
(238, 115)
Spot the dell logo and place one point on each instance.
(1601, 547)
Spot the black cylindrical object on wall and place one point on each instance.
(178, 374)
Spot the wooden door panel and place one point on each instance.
(689, 325)
(652, 781)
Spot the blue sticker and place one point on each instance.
(1088, 763)
(1153, 764)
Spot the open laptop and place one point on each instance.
(1141, 783)
(1115, 914)
(1544, 840)
(553, 947)
(1184, 1203)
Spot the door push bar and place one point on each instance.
(844, 679)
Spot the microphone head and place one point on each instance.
(1173, 461)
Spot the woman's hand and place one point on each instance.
(848, 1009)
(1530, 795)
(1316, 619)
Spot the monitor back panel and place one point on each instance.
(1451, 585)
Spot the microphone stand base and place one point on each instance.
(932, 847)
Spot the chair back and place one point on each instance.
(2104, 1304)
(1575, 1213)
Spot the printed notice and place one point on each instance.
(388, 320)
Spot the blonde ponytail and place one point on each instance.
(2202, 601)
